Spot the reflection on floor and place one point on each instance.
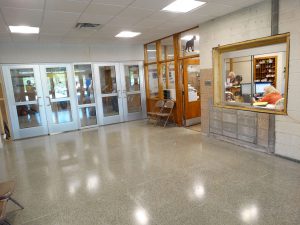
(196, 127)
(137, 173)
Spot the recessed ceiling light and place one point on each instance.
(183, 6)
(24, 29)
(127, 34)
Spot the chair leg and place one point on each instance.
(6, 222)
(17, 203)
(166, 121)
(157, 120)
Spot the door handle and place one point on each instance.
(49, 99)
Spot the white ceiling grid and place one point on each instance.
(57, 19)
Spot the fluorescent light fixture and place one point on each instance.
(127, 34)
(183, 6)
(24, 29)
(151, 50)
(190, 37)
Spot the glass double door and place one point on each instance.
(40, 99)
(120, 96)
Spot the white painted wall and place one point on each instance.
(63, 53)
(288, 127)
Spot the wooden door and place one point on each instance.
(191, 80)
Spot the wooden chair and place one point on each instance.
(6, 191)
(166, 113)
(3, 212)
(158, 107)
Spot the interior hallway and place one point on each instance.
(136, 173)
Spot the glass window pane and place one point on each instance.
(169, 76)
(132, 78)
(61, 112)
(57, 82)
(134, 103)
(108, 79)
(193, 82)
(189, 42)
(151, 52)
(164, 75)
(167, 49)
(110, 106)
(24, 85)
(153, 80)
(29, 116)
(257, 80)
(84, 84)
(238, 84)
(87, 116)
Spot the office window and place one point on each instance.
(153, 81)
(253, 78)
(167, 49)
(151, 52)
(189, 43)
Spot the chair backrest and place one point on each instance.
(279, 105)
(2, 211)
(169, 104)
(159, 104)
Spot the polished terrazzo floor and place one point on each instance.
(136, 173)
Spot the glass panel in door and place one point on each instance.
(84, 84)
(60, 99)
(26, 105)
(57, 85)
(192, 106)
(110, 95)
(132, 95)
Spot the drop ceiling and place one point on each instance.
(57, 19)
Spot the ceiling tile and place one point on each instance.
(59, 16)
(56, 28)
(163, 16)
(3, 27)
(27, 4)
(43, 38)
(123, 21)
(91, 18)
(72, 40)
(24, 37)
(148, 23)
(151, 4)
(5, 37)
(138, 13)
(101, 9)
(108, 31)
(17, 16)
(83, 33)
(114, 2)
(66, 5)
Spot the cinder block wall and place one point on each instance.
(288, 127)
(283, 132)
(240, 127)
(251, 129)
